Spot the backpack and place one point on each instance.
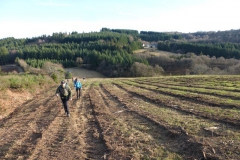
(78, 84)
(63, 91)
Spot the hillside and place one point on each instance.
(111, 51)
(194, 117)
(13, 98)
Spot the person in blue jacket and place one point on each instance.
(78, 86)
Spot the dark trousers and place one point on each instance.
(65, 104)
(78, 90)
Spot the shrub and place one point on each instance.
(56, 71)
(54, 77)
(142, 70)
(15, 83)
(68, 75)
(200, 69)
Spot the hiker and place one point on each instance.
(78, 86)
(65, 94)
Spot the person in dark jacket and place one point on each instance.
(65, 94)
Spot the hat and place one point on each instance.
(63, 82)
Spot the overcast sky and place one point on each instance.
(32, 18)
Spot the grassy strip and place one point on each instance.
(222, 114)
(192, 124)
(228, 83)
(201, 98)
(201, 86)
(144, 135)
(164, 112)
(213, 92)
(24, 81)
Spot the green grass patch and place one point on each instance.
(24, 81)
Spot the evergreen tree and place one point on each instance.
(3, 55)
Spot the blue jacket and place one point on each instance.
(77, 84)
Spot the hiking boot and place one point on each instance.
(68, 114)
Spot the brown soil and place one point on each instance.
(107, 122)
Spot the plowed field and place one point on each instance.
(138, 118)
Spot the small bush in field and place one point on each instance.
(54, 77)
(15, 83)
(68, 75)
(56, 71)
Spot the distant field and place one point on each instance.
(80, 73)
(153, 52)
(11, 68)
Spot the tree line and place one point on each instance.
(109, 51)
(190, 63)
(158, 36)
(224, 49)
(99, 50)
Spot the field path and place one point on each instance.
(116, 119)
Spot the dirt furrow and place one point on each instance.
(91, 146)
(191, 97)
(20, 114)
(24, 144)
(217, 86)
(52, 137)
(177, 103)
(143, 138)
(174, 138)
(111, 135)
(21, 129)
(96, 147)
(61, 139)
(224, 135)
(38, 130)
(210, 92)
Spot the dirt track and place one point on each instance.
(39, 130)
(113, 121)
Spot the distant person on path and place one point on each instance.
(78, 86)
(65, 94)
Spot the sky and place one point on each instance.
(33, 18)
